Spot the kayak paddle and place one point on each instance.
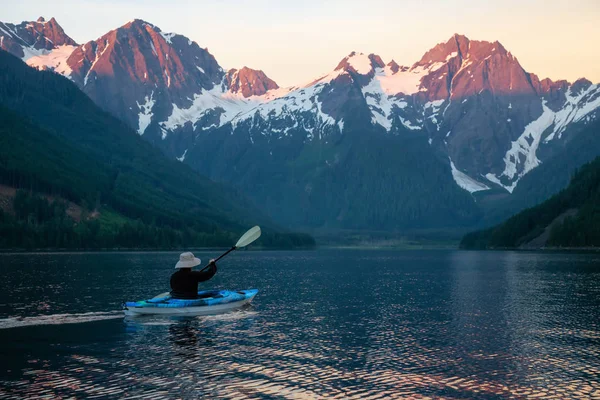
(250, 236)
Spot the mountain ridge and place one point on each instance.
(481, 114)
(30, 38)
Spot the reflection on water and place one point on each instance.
(351, 325)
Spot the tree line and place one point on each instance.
(37, 222)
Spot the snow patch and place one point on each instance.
(465, 181)
(289, 106)
(492, 178)
(431, 111)
(229, 104)
(168, 36)
(521, 157)
(361, 63)
(575, 109)
(451, 55)
(382, 98)
(30, 52)
(106, 44)
(145, 115)
(55, 60)
(153, 49)
(7, 32)
(182, 158)
(406, 82)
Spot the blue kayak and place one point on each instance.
(208, 302)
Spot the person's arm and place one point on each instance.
(202, 276)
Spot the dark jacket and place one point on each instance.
(184, 283)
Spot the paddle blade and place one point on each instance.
(249, 237)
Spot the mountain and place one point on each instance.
(29, 39)
(568, 219)
(445, 142)
(154, 80)
(56, 141)
(466, 105)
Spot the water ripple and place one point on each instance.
(440, 333)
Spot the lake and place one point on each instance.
(326, 324)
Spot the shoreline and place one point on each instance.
(323, 247)
(541, 249)
(143, 250)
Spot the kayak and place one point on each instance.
(208, 302)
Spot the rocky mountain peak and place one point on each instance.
(457, 45)
(581, 83)
(31, 38)
(249, 82)
(137, 69)
(360, 63)
(139, 24)
(48, 34)
(461, 47)
(393, 65)
(461, 67)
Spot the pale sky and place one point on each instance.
(296, 41)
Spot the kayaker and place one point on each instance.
(184, 282)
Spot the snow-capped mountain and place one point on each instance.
(471, 100)
(144, 75)
(34, 38)
(465, 118)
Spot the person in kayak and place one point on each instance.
(184, 282)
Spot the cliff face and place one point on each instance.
(28, 39)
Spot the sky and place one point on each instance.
(295, 41)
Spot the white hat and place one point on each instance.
(187, 260)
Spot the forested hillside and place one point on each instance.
(570, 218)
(56, 141)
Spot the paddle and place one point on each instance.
(250, 236)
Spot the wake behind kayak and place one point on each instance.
(208, 302)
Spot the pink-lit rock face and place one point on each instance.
(249, 82)
(31, 38)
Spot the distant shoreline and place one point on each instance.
(144, 250)
(540, 249)
(383, 247)
(323, 247)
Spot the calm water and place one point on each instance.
(325, 324)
